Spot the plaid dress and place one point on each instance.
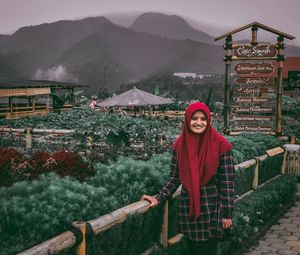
(216, 201)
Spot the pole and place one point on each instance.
(227, 58)
(254, 35)
(279, 89)
(164, 230)
(28, 138)
(81, 248)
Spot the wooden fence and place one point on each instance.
(293, 158)
(67, 239)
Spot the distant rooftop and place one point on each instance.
(9, 83)
(290, 64)
(258, 25)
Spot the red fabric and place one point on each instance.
(198, 155)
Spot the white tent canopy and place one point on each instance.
(135, 97)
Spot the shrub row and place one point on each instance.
(34, 211)
(14, 166)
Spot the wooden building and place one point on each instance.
(21, 98)
(290, 76)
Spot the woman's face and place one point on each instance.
(198, 122)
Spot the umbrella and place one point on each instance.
(135, 97)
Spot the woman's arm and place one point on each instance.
(172, 183)
(169, 187)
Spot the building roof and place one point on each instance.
(135, 97)
(259, 25)
(9, 83)
(290, 64)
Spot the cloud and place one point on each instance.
(55, 73)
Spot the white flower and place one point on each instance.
(246, 218)
(258, 213)
(255, 229)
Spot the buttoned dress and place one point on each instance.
(216, 200)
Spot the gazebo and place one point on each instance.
(135, 98)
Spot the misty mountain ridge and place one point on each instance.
(171, 26)
(86, 50)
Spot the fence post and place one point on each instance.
(29, 138)
(283, 167)
(164, 230)
(89, 145)
(255, 179)
(81, 248)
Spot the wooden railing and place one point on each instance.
(67, 239)
(293, 158)
(23, 111)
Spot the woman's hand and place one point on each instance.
(153, 201)
(226, 223)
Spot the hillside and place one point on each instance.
(170, 26)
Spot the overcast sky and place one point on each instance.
(279, 14)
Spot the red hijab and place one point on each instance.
(198, 155)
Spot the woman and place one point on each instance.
(203, 163)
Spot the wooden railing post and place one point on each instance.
(29, 138)
(89, 145)
(81, 248)
(283, 166)
(255, 179)
(164, 230)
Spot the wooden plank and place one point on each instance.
(262, 50)
(259, 25)
(165, 226)
(251, 118)
(245, 164)
(118, 216)
(255, 80)
(254, 109)
(5, 92)
(253, 69)
(175, 239)
(253, 90)
(54, 245)
(253, 128)
(275, 151)
(235, 58)
(240, 99)
(107, 221)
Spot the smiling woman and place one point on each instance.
(203, 163)
(198, 122)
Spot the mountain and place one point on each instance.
(7, 69)
(97, 52)
(122, 19)
(39, 46)
(137, 55)
(3, 39)
(171, 26)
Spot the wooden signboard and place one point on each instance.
(239, 109)
(253, 90)
(255, 80)
(251, 118)
(254, 128)
(252, 100)
(275, 151)
(263, 50)
(254, 69)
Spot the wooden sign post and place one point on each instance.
(255, 83)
